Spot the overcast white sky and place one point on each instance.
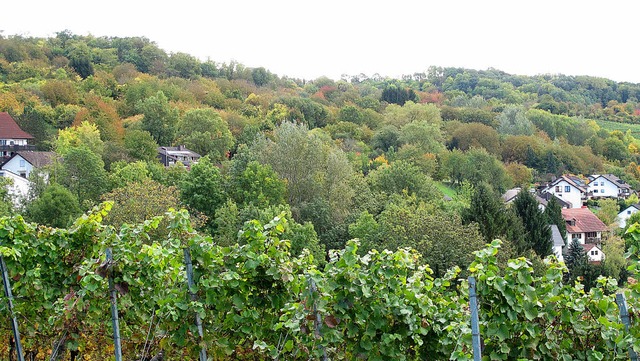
(308, 39)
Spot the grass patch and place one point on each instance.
(623, 127)
(446, 189)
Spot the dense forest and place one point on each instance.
(415, 162)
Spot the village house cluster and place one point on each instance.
(572, 193)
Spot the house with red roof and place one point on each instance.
(594, 252)
(12, 138)
(583, 225)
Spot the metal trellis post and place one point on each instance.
(475, 328)
(114, 308)
(624, 315)
(14, 322)
(191, 284)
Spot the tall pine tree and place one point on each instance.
(538, 232)
(494, 219)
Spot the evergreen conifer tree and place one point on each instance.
(538, 232)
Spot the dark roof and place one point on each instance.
(576, 182)
(9, 129)
(613, 179)
(585, 221)
(37, 159)
(544, 198)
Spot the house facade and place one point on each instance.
(18, 188)
(169, 156)
(594, 252)
(569, 189)
(584, 226)
(608, 186)
(12, 138)
(22, 163)
(624, 216)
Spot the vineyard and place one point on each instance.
(254, 301)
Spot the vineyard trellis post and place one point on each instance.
(624, 316)
(475, 327)
(14, 322)
(192, 296)
(114, 307)
(317, 320)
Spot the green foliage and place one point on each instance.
(536, 226)
(608, 211)
(140, 145)
(513, 121)
(400, 177)
(258, 185)
(553, 212)
(204, 132)
(82, 172)
(160, 118)
(55, 207)
(202, 189)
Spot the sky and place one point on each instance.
(309, 39)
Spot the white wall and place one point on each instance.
(15, 166)
(19, 189)
(602, 187)
(574, 196)
(624, 216)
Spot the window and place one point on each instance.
(558, 189)
(22, 163)
(595, 191)
(628, 212)
(592, 234)
(602, 184)
(567, 189)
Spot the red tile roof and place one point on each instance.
(585, 221)
(10, 130)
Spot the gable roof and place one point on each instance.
(558, 240)
(575, 182)
(589, 246)
(613, 179)
(544, 199)
(585, 221)
(9, 129)
(37, 159)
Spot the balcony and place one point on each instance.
(16, 148)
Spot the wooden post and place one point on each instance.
(191, 284)
(624, 315)
(114, 308)
(14, 322)
(475, 327)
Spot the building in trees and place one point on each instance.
(12, 138)
(171, 155)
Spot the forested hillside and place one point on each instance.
(415, 162)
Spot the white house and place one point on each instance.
(12, 138)
(543, 199)
(608, 186)
(594, 252)
(583, 225)
(18, 187)
(558, 242)
(624, 216)
(570, 190)
(23, 162)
